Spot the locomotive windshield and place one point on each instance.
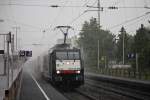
(70, 55)
(68, 60)
(61, 55)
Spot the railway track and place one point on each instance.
(90, 91)
(76, 95)
(118, 91)
(67, 92)
(105, 90)
(98, 93)
(100, 88)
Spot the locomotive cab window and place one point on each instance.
(73, 55)
(67, 55)
(61, 55)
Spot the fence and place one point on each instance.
(122, 72)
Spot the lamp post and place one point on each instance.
(16, 29)
(98, 54)
(123, 44)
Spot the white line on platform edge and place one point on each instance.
(47, 98)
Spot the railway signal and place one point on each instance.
(21, 53)
(131, 55)
(28, 53)
(1, 51)
(24, 53)
(9, 37)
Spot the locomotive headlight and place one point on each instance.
(67, 63)
(58, 72)
(78, 71)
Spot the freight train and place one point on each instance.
(63, 65)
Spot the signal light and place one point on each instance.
(23, 53)
(29, 53)
(9, 37)
(1, 51)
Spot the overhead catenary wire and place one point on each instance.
(37, 5)
(22, 23)
(39, 1)
(86, 3)
(57, 6)
(63, 6)
(76, 18)
(127, 21)
(138, 20)
(54, 20)
(85, 6)
(132, 25)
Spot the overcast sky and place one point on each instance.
(34, 16)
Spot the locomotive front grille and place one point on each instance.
(69, 78)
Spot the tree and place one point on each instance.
(141, 46)
(88, 41)
(128, 41)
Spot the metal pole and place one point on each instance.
(98, 4)
(12, 49)
(98, 54)
(16, 28)
(8, 63)
(8, 37)
(123, 46)
(105, 62)
(4, 42)
(16, 38)
(137, 66)
(5, 58)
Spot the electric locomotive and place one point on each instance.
(63, 66)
